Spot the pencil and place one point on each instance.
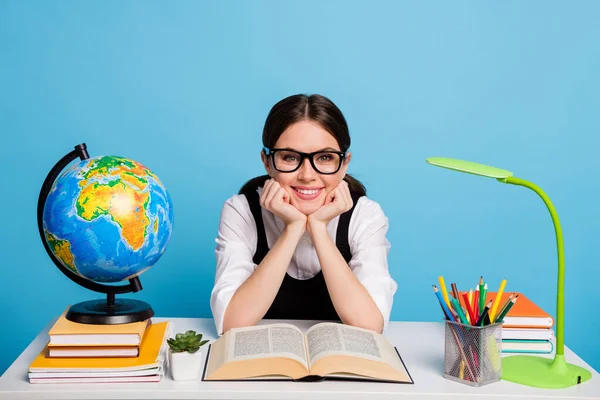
(445, 309)
(484, 314)
(476, 302)
(462, 353)
(470, 315)
(505, 305)
(459, 311)
(455, 291)
(444, 291)
(497, 301)
(481, 295)
(507, 309)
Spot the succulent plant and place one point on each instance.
(188, 341)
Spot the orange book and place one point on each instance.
(152, 355)
(524, 314)
(68, 333)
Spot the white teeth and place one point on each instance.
(307, 192)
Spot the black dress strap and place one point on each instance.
(341, 236)
(250, 191)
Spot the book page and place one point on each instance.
(275, 340)
(327, 339)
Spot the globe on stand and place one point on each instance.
(104, 220)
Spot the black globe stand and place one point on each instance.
(100, 312)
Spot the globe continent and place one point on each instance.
(108, 218)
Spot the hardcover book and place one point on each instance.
(283, 351)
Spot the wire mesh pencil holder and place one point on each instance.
(473, 354)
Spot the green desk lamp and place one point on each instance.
(531, 370)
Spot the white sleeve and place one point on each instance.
(369, 247)
(236, 244)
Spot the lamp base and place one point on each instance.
(543, 372)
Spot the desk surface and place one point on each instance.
(421, 345)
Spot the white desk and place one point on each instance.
(421, 345)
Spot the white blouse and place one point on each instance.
(236, 244)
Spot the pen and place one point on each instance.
(507, 309)
(497, 301)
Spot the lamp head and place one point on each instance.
(470, 167)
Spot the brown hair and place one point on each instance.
(316, 108)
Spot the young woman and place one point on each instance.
(303, 242)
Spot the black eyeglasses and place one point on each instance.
(324, 162)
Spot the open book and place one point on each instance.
(283, 351)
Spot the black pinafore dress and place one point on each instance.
(298, 299)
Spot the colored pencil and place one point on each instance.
(444, 291)
(476, 302)
(459, 345)
(507, 309)
(461, 314)
(482, 295)
(445, 309)
(497, 300)
(504, 305)
(484, 314)
(472, 318)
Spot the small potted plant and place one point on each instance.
(185, 359)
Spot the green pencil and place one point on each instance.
(507, 309)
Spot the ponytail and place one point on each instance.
(356, 187)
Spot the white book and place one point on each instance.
(149, 378)
(527, 334)
(95, 374)
(93, 352)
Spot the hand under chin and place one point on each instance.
(308, 209)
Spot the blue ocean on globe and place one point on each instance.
(108, 218)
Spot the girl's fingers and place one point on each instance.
(265, 192)
(273, 190)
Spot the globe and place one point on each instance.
(104, 220)
(108, 218)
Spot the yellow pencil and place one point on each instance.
(471, 298)
(444, 291)
(497, 300)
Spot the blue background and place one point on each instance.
(184, 87)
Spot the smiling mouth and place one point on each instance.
(307, 194)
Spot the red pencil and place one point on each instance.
(476, 302)
(469, 308)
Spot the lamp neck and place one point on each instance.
(561, 258)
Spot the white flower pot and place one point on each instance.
(185, 366)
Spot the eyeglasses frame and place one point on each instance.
(303, 156)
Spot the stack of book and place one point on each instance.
(526, 327)
(87, 353)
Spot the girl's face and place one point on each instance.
(307, 188)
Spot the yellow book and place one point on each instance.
(69, 333)
(152, 355)
(283, 351)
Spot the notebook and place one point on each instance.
(524, 314)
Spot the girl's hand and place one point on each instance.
(275, 199)
(338, 201)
